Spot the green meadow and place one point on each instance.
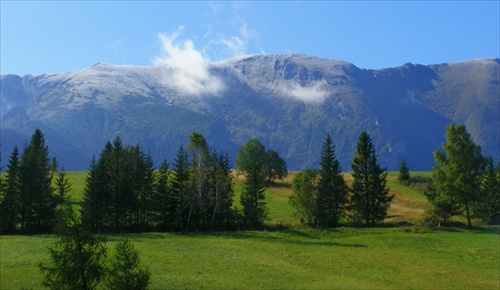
(288, 256)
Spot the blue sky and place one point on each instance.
(55, 37)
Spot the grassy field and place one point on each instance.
(346, 258)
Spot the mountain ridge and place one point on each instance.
(287, 101)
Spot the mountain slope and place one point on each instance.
(289, 102)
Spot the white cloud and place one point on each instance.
(313, 93)
(190, 68)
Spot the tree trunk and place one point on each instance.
(467, 213)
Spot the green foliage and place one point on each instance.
(455, 175)
(252, 160)
(332, 190)
(303, 199)
(11, 203)
(488, 205)
(276, 166)
(404, 173)
(125, 272)
(370, 197)
(118, 192)
(78, 258)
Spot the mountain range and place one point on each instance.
(289, 102)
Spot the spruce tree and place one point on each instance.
(404, 173)
(332, 189)
(370, 197)
(78, 258)
(178, 199)
(162, 193)
(488, 205)
(37, 200)
(222, 191)
(11, 203)
(252, 161)
(125, 272)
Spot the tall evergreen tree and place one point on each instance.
(404, 173)
(125, 272)
(221, 191)
(488, 205)
(97, 199)
(332, 189)
(78, 258)
(37, 200)
(11, 203)
(370, 196)
(252, 161)
(457, 170)
(162, 196)
(178, 200)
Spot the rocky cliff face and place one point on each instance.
(289, 102)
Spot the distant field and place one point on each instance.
(298, 258)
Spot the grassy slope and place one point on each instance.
(298, 258)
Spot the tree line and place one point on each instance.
(124, 192)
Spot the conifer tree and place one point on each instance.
(222, 191)
(10, 206)
(404, 173)
(37, 200)
(178, 200)
(457, 170)
(162, 196)
(332, 189)
(252, 161)
(488, 206)
(125, 272)
(78, 258)
(370, 197)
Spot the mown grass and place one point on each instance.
(297, 258)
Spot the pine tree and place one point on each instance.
(488, 206)
(37, 200)
(97, 199)
(125, 272)
(162, 193)
(404, 173)
(370, 197)
(332, 189)
(78, 258)
(178, 200)
(252, 161)
(221, 191)
(10, 206)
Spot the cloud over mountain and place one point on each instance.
(190, 69)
